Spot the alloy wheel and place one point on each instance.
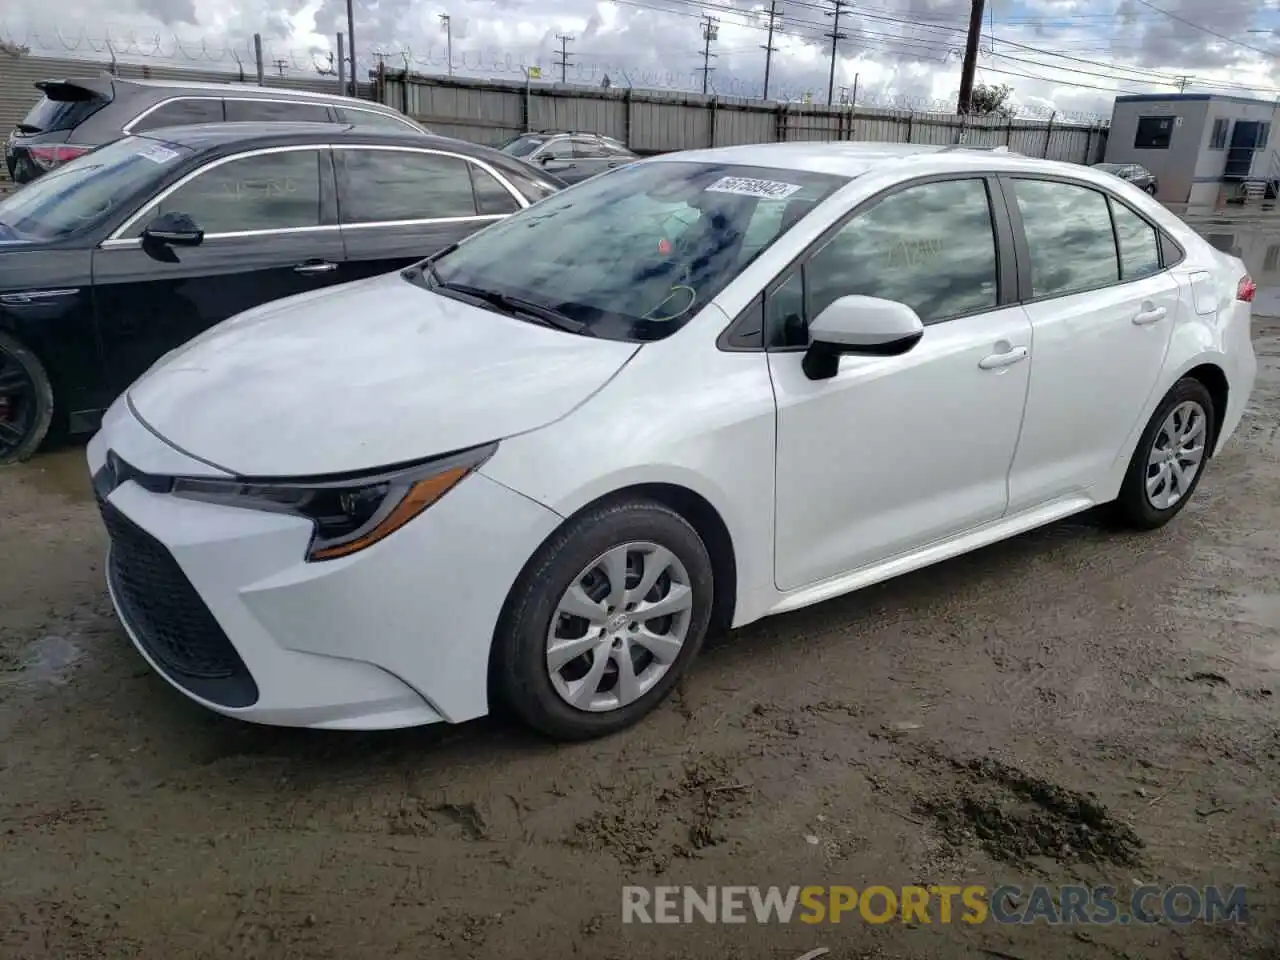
(1177, 454)
(17, 403)
(619, 627)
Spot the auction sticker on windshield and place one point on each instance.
(158, 154)
(751, 187)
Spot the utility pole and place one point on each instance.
(257, 56)
(838, 7)
(965, 103)
(280, 64)
(447, 24)
(351, 43)
(563, 62)
(768, 47)
(1182, 83)
(342, 66)
(710, 30)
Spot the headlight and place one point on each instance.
(348, 514)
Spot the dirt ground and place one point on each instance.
(1071, 706)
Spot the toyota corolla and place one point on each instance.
(538, 467)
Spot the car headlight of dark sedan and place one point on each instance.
(348, 514)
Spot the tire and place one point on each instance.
(26, 425)
(523, 677)
(1135, 507)
(1151, 189)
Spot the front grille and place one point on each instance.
(169, 619)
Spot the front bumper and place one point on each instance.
(221, 603)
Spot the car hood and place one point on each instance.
(365, 375)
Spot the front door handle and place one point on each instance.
(1150, 314)
(315, 267)
(1006, 359)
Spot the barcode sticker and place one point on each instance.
(751, 187)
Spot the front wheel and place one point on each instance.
(1151, 189)
(26, 401)
(1169, 459)
(605, 620)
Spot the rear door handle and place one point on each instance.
(314, 267)
(1150, 315)
(1006, 359)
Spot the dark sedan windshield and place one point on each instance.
(523, 146)
(76, 196)
(635, 253)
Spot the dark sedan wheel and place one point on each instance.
(1150, 188)
(26, 401)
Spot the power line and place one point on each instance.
(835, 36)
(769, 48)
(710, 30)
(563, 63)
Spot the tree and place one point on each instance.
(988, 100)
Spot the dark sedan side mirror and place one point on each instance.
(173, 230)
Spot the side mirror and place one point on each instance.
(173, 230)
(866, 326)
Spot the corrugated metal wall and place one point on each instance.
(17, 76)
(653, 121)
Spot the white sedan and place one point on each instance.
(538, 467)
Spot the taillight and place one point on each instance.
(48, 157)
(1246, 288)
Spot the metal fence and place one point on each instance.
(649, 121)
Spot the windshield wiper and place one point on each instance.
(546, 316)
(543, 315)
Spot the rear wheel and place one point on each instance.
(605, 620)
(26, 401)
(1151, 189)
(1169, 459)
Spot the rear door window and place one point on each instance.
(1068, 229)
(177, 113)
(268, 111)
(387, 185)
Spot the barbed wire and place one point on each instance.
(122, 43)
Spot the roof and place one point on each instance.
(247, 89)
(1185, 97)
(852, 159)
(216, 136)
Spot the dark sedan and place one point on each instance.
(125, 253)
(1135, 173)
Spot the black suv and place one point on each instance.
(570, 156)
(74, 116)
(116, 258)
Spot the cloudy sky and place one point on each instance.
(1073, 56)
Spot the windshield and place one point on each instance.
(78, 195)
(634, 254)
(49, 115)
(523, 146)
(1107, 167)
